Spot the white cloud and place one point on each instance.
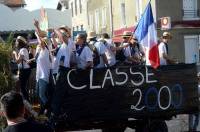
(36, 4)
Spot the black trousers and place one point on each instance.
(24, 77)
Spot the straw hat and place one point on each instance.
(167, 35)
(91, 34)
(22, 39)
(127, 34)
(65, 28)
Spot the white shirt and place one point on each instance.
(23, 52)
(162, 49)
(84, 57)
(127, 52)
(71, 44)
(101, 49)
(72, 48)
(110, 54)
(43, 64)
(63, 53)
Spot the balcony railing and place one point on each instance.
(191, 13)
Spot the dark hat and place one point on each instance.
(127, 34)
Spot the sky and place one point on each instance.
(36, 4)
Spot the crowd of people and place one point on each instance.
(56, 53)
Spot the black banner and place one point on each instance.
(130, 92)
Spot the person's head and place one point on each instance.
(105, 36)
(81, 39)
(166, 37)
(134, 40)
(126, 35)
(65, 33)
(66, 29)
(91, 35)
(12, 105)
(20, 42)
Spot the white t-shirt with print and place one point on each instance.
(63, 52)
(84, 57)
(162, 49)
(101, 49)
(23, 52)
(43, 64)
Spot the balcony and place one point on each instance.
(191, 14)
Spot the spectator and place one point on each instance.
(42, 71)
(24, 69)
(13, 109)
(194, 118)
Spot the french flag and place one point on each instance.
(147, 36)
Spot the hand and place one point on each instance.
(52, 35)
(36, 23)
(14, 53)
(28, 61)
(126, 45)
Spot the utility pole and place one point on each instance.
(111, 17)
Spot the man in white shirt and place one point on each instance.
(163, 49)
(63, 61)
(42, 70)
(134, 51)
(101, 49)
(110, 49)
(84, 56)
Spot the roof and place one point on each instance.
(13, 3)
(22, 19)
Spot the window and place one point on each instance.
(80, 6)
(123, 14)
(72, 8)
(76, 7)
(97, 21)
(191, 48)
(82, 28)
(104, 17)
(190, 9)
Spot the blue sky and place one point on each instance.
(36, 4)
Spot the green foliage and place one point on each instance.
(6, 81)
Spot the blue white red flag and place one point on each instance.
(147, 36)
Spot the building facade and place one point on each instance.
(117, 16)
(185, 28)
(79, 14)
(99, 16)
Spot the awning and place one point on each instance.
(119, 32)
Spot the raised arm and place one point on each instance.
(40, 41)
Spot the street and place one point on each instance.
(178, 124)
